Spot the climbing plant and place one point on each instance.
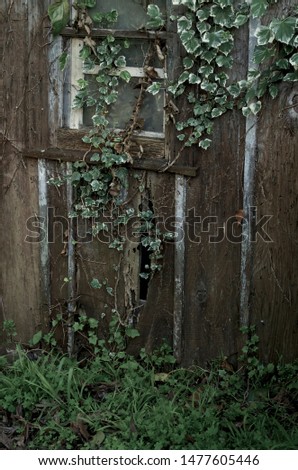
(206, 30)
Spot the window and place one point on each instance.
(152, 58)
(142, 57)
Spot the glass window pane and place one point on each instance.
(137, 52)
(132, 14)
(151, 115)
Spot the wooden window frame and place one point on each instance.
(157, 150)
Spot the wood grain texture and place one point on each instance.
(275, 294)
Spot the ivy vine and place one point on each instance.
(207, 33)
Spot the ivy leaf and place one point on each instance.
(216, 38)
(209, 55)
(240, 20)
(216, 112)
(125, 75)
(184, 24)
(36, 338)
(111, 98)
(234, 90)
(263, 53)
(76, 176)
(59, 15)
(132, 332)
(95, 157)
(203, 14)
(291, 77)
(284, 30)
(154, 88)
(208, 86)
(224, 61)
(258, 7)
(294, 60)
(183, 77)
(188, 63)
(190, 43)
(282, 64)
(63, 60)
(95, 284)
(255, 107)
(206, 70)
(222, 16)
(203, 26)
(120, 61)
(194, 79)
(205, 144)
(191, 4)
(264, 35)
(273, 90)
(227, 47)
(156, 21)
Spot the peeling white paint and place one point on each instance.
(76, 115)
(248, 193)
(44, 247)
(179, 264)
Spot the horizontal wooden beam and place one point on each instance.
(117, 33)
(141, 145)
(68, 155)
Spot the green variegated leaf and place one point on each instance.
(206, 70)
(184, 24)
(59, 13)
(273, 90)
(111, 97)
(224, 61)
(264, 35)
(226, 47)
(203, 14)
(284, 30)
(205, 144)
(203, 26)
(209, 86)
(291, 77)
(240, 20)
(120, 61)
(258, 7)
(125, 75)
(216, 112)
(188, 63)
(255, 107)
(191, 4)
(154, 88)
(95, 284)
(63, 59)
(209, 55)
(246, 111)
(183, 77)
(216, 38)
(222, 16)
(282, 64)
(194, 79)
(294, 60)
(263, 53)
(234, 90)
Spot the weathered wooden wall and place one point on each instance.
(216, 298)
(24, 95)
